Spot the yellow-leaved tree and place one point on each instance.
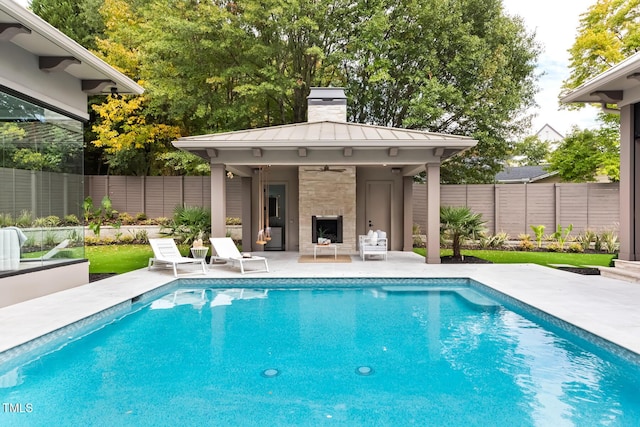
(134, 141)
(609, 32)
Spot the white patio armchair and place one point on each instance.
(372, 245)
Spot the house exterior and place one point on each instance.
(550, 135)
(45, 81)
(617, 90)
(327, 175)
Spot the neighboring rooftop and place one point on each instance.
(523, 174)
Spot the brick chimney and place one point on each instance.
(327, 103)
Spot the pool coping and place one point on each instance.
(601, 306)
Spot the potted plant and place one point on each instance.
(198, 249)
(321, 239)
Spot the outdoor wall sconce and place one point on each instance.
(114, 93)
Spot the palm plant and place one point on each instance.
(459, 223)
(188, 223)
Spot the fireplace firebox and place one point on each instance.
(329, 226)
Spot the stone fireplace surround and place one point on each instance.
(327, 193)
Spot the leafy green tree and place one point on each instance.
(459, 223)
(609, 32)
(184, 163)
(584, 154)
(531, 151)
(460, 67)
(452, 66)
(78, 19)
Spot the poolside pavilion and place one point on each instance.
(327, 172)
(620, 86)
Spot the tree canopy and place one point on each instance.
(585, 154)
(531, 151)
(609, 32)
(451, 66)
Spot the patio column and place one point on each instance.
(433, 213)
(218, 201)
(247, 220)
(407, 190)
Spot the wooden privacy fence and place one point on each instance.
(41, 193)
(158, 196)
(509, 208)
(513, 208)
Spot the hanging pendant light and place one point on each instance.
(267, 229)
(260, 240)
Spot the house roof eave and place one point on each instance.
(619, 85)
(45, 41)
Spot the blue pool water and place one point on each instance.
(377, 355)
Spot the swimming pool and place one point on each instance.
(345, 352)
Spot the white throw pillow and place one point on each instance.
(370, 233)
(373, 239)
(382, 235)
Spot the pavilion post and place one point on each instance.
(218, 201)
(433, 213)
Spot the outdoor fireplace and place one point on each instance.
(330, 226)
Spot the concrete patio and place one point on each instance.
(605, 307)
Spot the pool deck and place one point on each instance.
(606, 307)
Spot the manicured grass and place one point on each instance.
(117, 258)
(541, 258)
(124, 258)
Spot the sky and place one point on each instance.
(555, 23)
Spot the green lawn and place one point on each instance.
(124, 258)
(541, 258)
(117, 258)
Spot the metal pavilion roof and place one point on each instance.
(327, 142)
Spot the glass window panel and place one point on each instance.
(41, 171)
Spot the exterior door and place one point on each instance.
(378, 207)
(276, 211)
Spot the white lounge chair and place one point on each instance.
(166, 252)
(62, 245)
(226, 249)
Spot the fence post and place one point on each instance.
(496, 208)
(557, 206)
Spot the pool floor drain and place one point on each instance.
(270, 373)
(364, 370)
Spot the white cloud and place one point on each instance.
(555, 23)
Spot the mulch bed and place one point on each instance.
(581, 270)
(465, 260)
(473, 260)
(93, 277)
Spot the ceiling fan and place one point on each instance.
(325, 168)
